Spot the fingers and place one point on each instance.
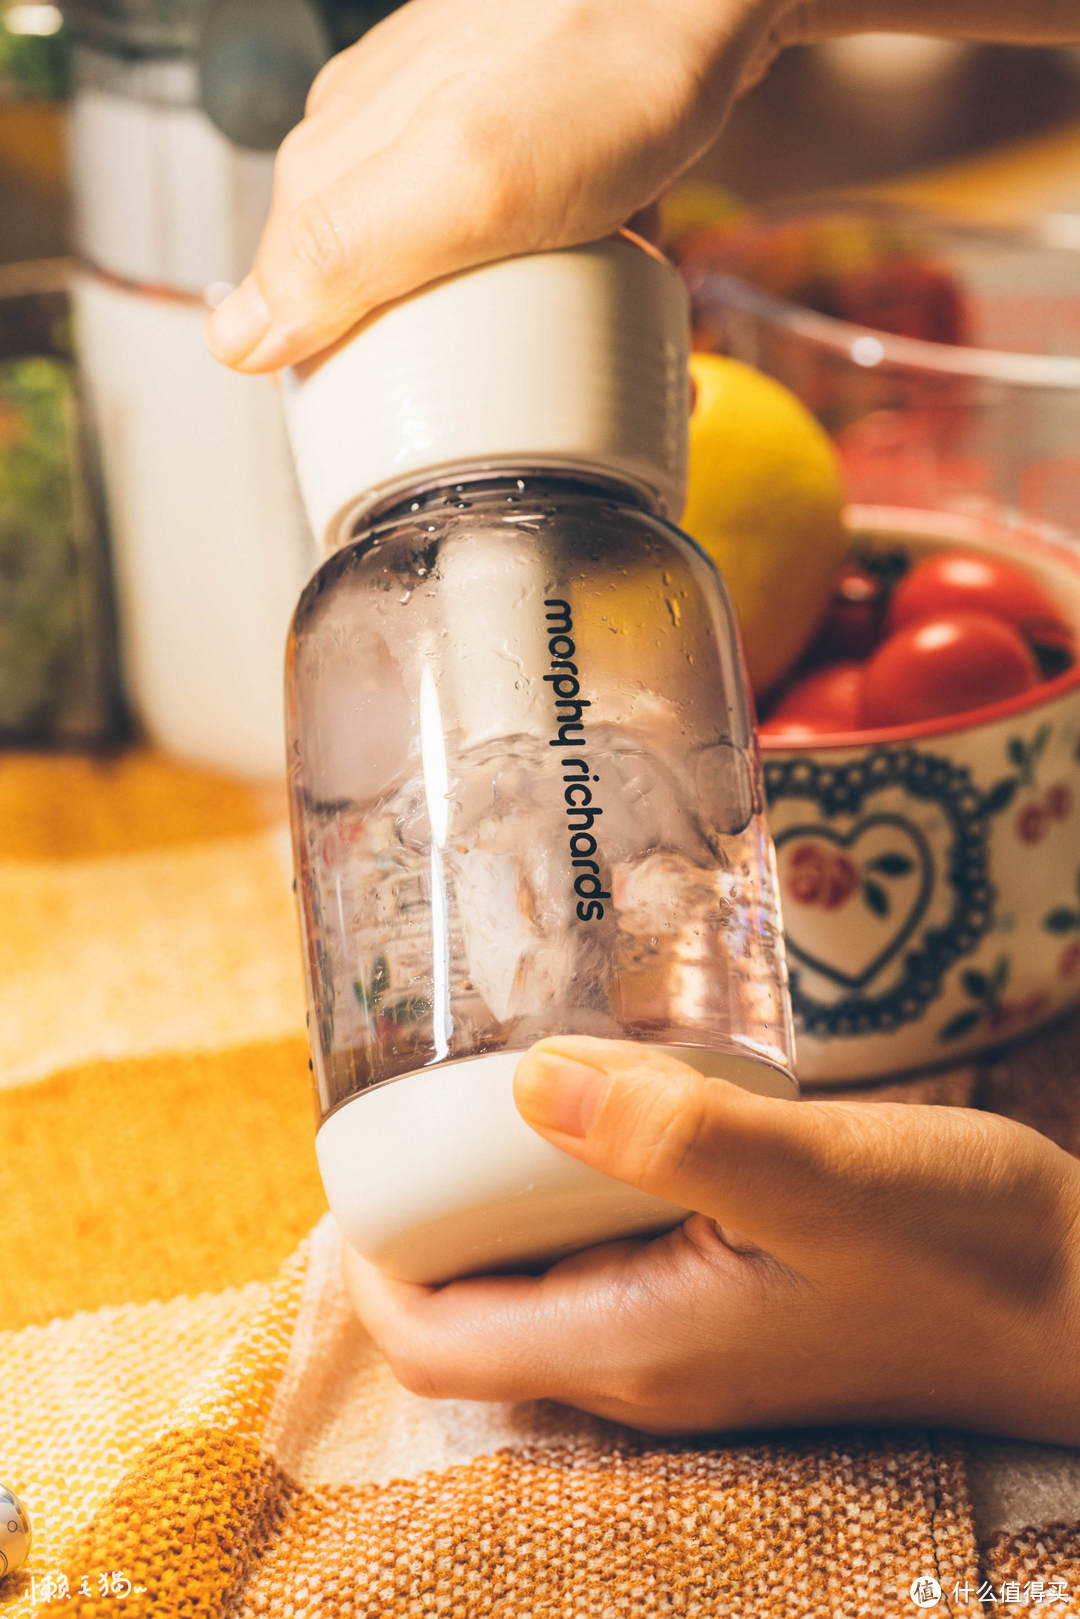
(462, 131)
(796, 1179)
(757, 1165)
(331, 258)
(801, 1180)
(616, 1331)
(504, 1338)
(366, 237)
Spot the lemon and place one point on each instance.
(765, 502)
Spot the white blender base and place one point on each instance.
(436, 1175)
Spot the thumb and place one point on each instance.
(759, 1164)
(391, 223)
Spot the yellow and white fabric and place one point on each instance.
(193, 1418)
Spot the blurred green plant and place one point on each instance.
(41, 610)
(34, 55)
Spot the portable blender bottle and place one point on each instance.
(524, 783)
(208, 542)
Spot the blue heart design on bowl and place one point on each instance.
(953, 881)
(913, 861)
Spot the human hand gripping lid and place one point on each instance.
(460, 131)
(850, 1261)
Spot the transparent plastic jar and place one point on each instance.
(526, 801)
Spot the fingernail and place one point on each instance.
(558, 1093)
(239, 323)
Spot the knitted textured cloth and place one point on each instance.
(195, 1421)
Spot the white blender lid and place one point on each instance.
(573, 359)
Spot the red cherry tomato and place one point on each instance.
(827, 700)
(950, 664)
(856, 613)
(904, 295)
(972, 581)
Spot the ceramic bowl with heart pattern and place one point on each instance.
(930, 874)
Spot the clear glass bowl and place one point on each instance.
(943, 358)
